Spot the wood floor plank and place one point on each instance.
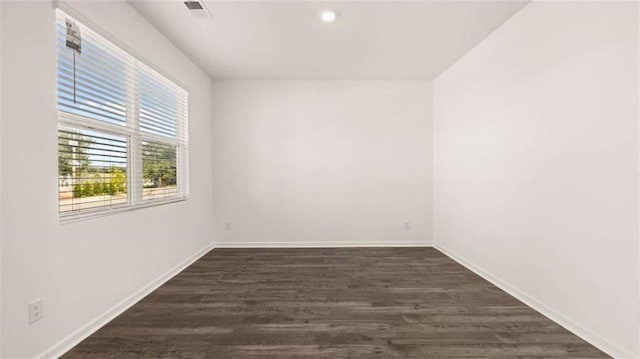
(330, 303)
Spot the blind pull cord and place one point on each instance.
(74, 78)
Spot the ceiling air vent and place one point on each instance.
(194, 5)
(197, 8)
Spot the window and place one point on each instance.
(122, 128)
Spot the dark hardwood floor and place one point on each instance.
(330, 303)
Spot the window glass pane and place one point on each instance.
(159, 173)
(92, 84)
(92, 170)
(158, 106)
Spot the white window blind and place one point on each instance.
(122, 134)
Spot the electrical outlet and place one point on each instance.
(227, 226)
(407, 225)
(36, 310)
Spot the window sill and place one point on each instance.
(79, 217)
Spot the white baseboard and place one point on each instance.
(320, 244)
(537, 305)
(79, 335)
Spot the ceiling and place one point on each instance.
(287, 40)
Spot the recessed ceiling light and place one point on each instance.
(328, 16)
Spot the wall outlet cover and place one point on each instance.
(36, 310)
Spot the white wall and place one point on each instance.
(83, 269)
(638, 81)
(536, 164)
(322, 163)
(1, 167)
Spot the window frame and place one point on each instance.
(130, 130)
